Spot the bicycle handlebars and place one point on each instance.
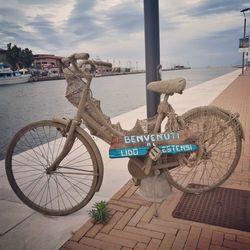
(85, 60)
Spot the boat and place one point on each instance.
(177, 67)
(8, 76)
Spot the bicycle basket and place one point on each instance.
(75, 86)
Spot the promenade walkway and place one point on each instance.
(133, 225)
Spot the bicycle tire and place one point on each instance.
(62, 192)
(218, 154)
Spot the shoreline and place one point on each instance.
(46, 78)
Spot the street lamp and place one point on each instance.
(243, 54)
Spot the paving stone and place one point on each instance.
(146, 232)
(140, 246)
(243, 239)
(12, 214)
(149, 214)
(170, 224)
(111, 223)
(167, 242)
(180, 240)
(99, 244)
(131, 236)
(193, 238)
(217, 238)
(230, 236)
(125, 219)
(140, 202)
(124, 204)
(138, 215)
(205, 239)
(153, 244)
(116, 240)
(77, 246)
(215, 247)
(94, 230)
(117, 208)
(158, 228)
(131, 191)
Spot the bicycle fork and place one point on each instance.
(66, 148)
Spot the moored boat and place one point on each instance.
(8, 76)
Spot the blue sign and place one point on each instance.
(142, 151)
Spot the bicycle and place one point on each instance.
(62, 168)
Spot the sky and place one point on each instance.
(197, 33)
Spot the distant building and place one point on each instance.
(47, 65)
(104, 70)
(121, 70)
(46, 61)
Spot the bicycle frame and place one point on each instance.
(100, 123)
(106, 130)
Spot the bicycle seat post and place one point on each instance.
(157, 128)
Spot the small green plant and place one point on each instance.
(99, 212)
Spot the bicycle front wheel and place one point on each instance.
(32, 151)
(217, 136)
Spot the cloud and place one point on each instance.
(83, 21)
(46, 31)
(43, 2)
(11, 14)
(218, 46)
(212, 7)
(125, 17)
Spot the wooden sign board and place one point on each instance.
(139, 145)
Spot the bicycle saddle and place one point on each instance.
(168, 87)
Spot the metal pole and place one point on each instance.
(152, 52)
(243, 54)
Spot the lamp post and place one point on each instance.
(245, 21)
(152, 52)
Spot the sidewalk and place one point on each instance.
(22, 228)
(133, 225)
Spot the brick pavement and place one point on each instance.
(133, 225)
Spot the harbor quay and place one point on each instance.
(133, 225)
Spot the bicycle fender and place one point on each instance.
(235, 119)
(92, 144)
(227, 112)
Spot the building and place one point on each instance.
(47, 65)
(104, 70)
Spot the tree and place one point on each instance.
(26, 58)
(19, 58)
(13, 55)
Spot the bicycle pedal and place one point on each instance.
(155, 153)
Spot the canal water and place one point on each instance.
(25, 103)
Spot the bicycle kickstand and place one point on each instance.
(156, 174)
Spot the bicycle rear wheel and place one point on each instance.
(217, 136)
(31, 152)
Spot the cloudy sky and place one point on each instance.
(195, 32)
